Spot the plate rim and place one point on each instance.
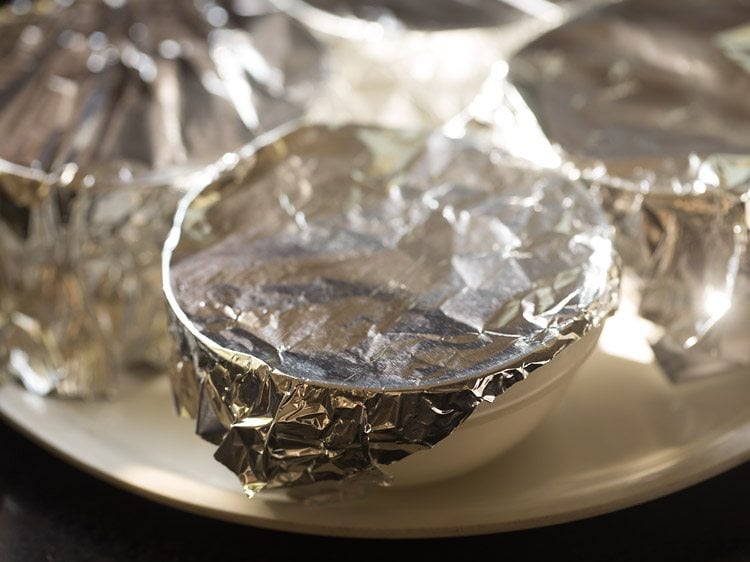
(675, 481)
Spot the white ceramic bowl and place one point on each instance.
(495, 427)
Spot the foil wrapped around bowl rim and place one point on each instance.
(260, 416)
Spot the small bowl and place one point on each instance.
(349, 296)
(496, 427)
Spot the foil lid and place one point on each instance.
(413, 64)
(349, 295)
(648, 100)
(108, 108)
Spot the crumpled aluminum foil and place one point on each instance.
(349, 295)
(414, 64)
(108, 108)
(649, 101)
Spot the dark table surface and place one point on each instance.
(50, 511)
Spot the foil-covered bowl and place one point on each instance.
(374, 18)
(347, 296)
(413, 64)
(648, 100)
(108, 109)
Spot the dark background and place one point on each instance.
(50, 511)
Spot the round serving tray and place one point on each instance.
(623, 435)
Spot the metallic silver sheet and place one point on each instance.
(419, 66)
(410, 80)
(649, 101)
(434, 15)
(107, 108)
(349, 295)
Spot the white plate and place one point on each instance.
(622, 435)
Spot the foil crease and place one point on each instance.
(656, 118)
(348, 295)
(109, 108)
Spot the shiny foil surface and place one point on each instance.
(431, 16)
(648, 100)
(108, 107)
(413, 64)
(349, 295)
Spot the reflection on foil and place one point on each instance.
(656, 117)
(414, 64)
(108, 107)
(349, 295)
(342, 16)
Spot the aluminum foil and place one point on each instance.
(349, 295)
(108, 107)
(649, 101)
(413, 64)
(417, 15)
